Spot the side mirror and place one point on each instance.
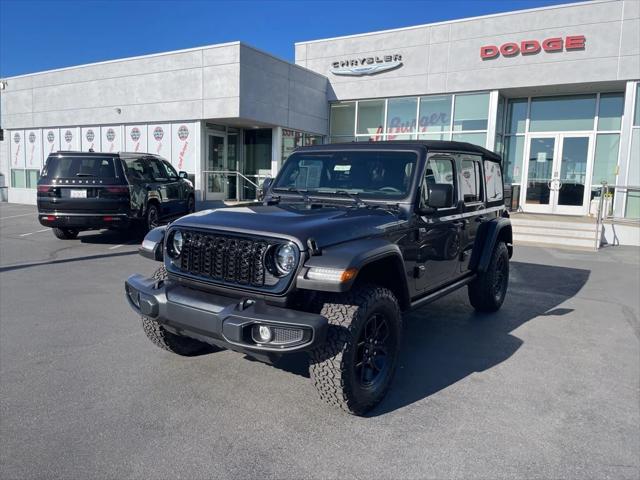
(440, 195)
(264, 188)
(183, 174)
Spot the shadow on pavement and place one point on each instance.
(112, 237)
(447, 340)
(64, 260)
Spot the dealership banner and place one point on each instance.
(50, 142)
(111, 138)
(183, 141)
(135, 138)
(70, 138)
(91, 139)
(33, 150)
(16, 148)
(159, 139)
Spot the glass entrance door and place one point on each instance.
(557, 169)
(215, 179)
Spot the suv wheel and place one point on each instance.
(487, 292)
(354, 367)
(153, 217)
(171, 342)
(65, 233)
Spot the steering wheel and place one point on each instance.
(389, 189)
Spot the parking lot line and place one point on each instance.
(31, 233)
(121, 245)
(16, 216)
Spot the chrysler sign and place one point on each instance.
(357, 67)
(532, 47)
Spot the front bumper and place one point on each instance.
(223, 320)
(83, 221)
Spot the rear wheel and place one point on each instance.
(171, 342)
(489, 289)
(354, 367)
(65, 233)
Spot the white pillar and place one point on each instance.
(494, 97)
(276, 150)
(625, 148)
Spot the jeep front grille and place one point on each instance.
(225, 259)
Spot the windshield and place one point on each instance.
(77, 166)
(370, 174)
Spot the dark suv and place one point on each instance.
(90, 191)
(348, 238)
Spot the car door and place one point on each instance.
(472, 193)
(168, 188)
(182, 187)
(438, 233)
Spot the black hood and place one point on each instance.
(327, 225)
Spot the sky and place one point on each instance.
(43, 35)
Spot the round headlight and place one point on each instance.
(285, 258)
(175, 247)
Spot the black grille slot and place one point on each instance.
(227, 259)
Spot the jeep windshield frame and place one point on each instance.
(381, 175)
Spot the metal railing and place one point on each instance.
(231, 184)
(605, 211)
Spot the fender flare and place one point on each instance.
(355, 254)
(486, 239)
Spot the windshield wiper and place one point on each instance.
(356, 198)
(302, 193)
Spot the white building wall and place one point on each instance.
(445, 57)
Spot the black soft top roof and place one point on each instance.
(431, 145)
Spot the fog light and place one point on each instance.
(262, 333)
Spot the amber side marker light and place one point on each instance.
(333, 275)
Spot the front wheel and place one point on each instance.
(169, 341)
(354, 367)
(191, 205)
(489, 289)
(65, 233)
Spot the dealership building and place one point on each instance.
(554, 90)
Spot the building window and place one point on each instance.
(371, 118)
(401, 118)
(292, 139)
(471, 112)
(632, 209)
(636, 118)
(562, 113)
(435, 114)
(405, 118)
(517, 115)
(343, 119)
(610, 111)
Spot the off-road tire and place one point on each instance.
(489, 289)
(171, 342)
(65, 233)
(332, 364)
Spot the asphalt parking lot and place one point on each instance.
(546, 388)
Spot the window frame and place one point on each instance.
(478, 160)
(422, 199)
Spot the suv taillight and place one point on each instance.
(43, 188)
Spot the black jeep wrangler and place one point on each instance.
(348, 238)
(89, 191)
